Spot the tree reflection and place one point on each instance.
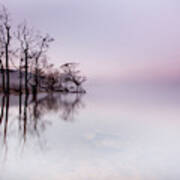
(2, 109)
(69, 106)
(6, 118)
(32, 113)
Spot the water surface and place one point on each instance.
(109, 133)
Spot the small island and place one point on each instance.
(24, 66)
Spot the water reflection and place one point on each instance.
(32, 110)
(127, 135)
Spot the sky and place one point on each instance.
(117, 40)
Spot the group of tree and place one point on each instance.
(24, 50)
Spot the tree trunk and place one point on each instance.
(3, 77)
(20, 77)
(7, 69)
(26, 72)
(36, 78)
(7, 60)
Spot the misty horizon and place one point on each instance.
(97, 97)
(117, 40)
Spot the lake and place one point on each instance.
(117, 132)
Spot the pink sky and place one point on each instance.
(117, 40)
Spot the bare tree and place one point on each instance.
(49, 78)
(20, 75)
(5, 37)
(53, 79)
(1, 62)
(26, 40)
(42, 45)
(33, 49)
(71, 74)
(3, 75)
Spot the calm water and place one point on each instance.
(109, 133)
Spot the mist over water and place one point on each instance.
(127, 124)
(109, 133)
